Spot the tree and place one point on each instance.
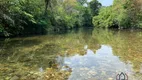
(18, 16)
(94, 6)
(49, 4)
(82, 2)
(87, 17)
(122, 14)
(105, 18)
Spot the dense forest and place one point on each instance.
(122, 14)
(23, 17)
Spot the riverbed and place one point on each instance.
(81, 54)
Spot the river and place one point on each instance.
(81, 54)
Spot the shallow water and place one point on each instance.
(88, 54)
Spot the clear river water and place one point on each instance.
(81, 54)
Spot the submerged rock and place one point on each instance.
(91, 73)
(15, 78)
(84, 69)
(110, 78)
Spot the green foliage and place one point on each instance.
(122, 14)
(94, 6)
(68, 14)
(87, 21)
(30, 17)
(105, 18)
(24, 17)
(91, 10)
(1, 28)
(18, 15)
(82, 2)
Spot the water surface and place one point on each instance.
(87, 54)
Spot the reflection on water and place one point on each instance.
(83, 54)
(100, 65)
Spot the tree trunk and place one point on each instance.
(46, 6)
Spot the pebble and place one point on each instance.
(24, 78)
(84, 68)
(110, 78)
(91, 73)
(68, 63)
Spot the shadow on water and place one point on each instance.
(94, 54)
